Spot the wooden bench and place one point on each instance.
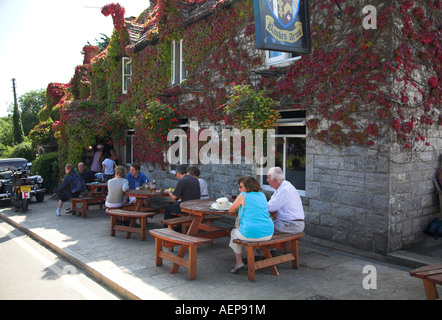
(187, 220)
(85, 203)
(168, 238)
(280, 241)
(132, 216)
(430, 275)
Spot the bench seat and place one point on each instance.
(430, 275)
(132, 216)
(278, 241)
(168, 238)
(187, 220)
(85, 203)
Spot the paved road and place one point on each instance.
(28, 271)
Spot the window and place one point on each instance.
(127, 73)
(129, 147)
(290, 149)
(276, 57)
(178, 70)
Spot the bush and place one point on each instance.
(47, 166)
(22, 150)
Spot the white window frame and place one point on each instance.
(129, 134)
(126, 77)
(177, 63)
(283, 58)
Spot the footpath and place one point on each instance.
(128, 265)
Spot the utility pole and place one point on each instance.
(16, 120)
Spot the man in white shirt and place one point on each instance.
(286, 202)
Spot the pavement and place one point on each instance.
(127, 266)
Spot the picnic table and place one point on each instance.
(144, 194)
(96, 196)
(430, 275)
(94, 187)
(198, 210)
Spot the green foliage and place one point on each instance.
(47, 166)
(22, 150)
(30, 104)
(251, 109)
(17, 126)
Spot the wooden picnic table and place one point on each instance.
(95, 186)
(199, 209)
(430, 275)
(144, 194)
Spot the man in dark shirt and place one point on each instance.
(187, 188)
(88, 177)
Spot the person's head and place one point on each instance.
(120, 172)
(68, 168)
(193, 171)
(135, 169)
(181, 171)
(275, 177)
(81, 167)
(248, 184)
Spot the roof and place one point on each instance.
(145, 29)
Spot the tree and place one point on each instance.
(16, 120)
(30, 104)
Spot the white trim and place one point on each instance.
(182, 70)
(284, 58)
(126, 77)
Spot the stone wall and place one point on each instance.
(378, 201)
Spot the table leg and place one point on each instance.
(194, 226)
(430, 290)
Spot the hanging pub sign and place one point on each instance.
(283, 25)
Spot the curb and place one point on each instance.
(96, 275)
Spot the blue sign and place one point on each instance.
(282, 25)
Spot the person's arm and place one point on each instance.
(235, 205)
(278, 200)
(125, 185)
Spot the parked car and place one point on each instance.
(7, 167)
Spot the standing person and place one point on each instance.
(98, 158)
(255, 223)
(64, 190)
(136, 178)
(108, 167)
(115, 157)
(187, 188)
(116, 188)
(286, 202)
(194, 171)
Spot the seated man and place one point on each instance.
(286, 202)
(88, 177)
(136, 178)
(64, 191)
(187, 188)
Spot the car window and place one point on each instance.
(6, 175)
(10, 165)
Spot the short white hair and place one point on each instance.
(276, 173)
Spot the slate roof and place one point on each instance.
(142, 34)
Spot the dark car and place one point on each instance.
(6, 168)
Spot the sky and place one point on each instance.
(41, 40)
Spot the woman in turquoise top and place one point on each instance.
(255, 223)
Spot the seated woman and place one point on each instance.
(255, 223)
(116, 189)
